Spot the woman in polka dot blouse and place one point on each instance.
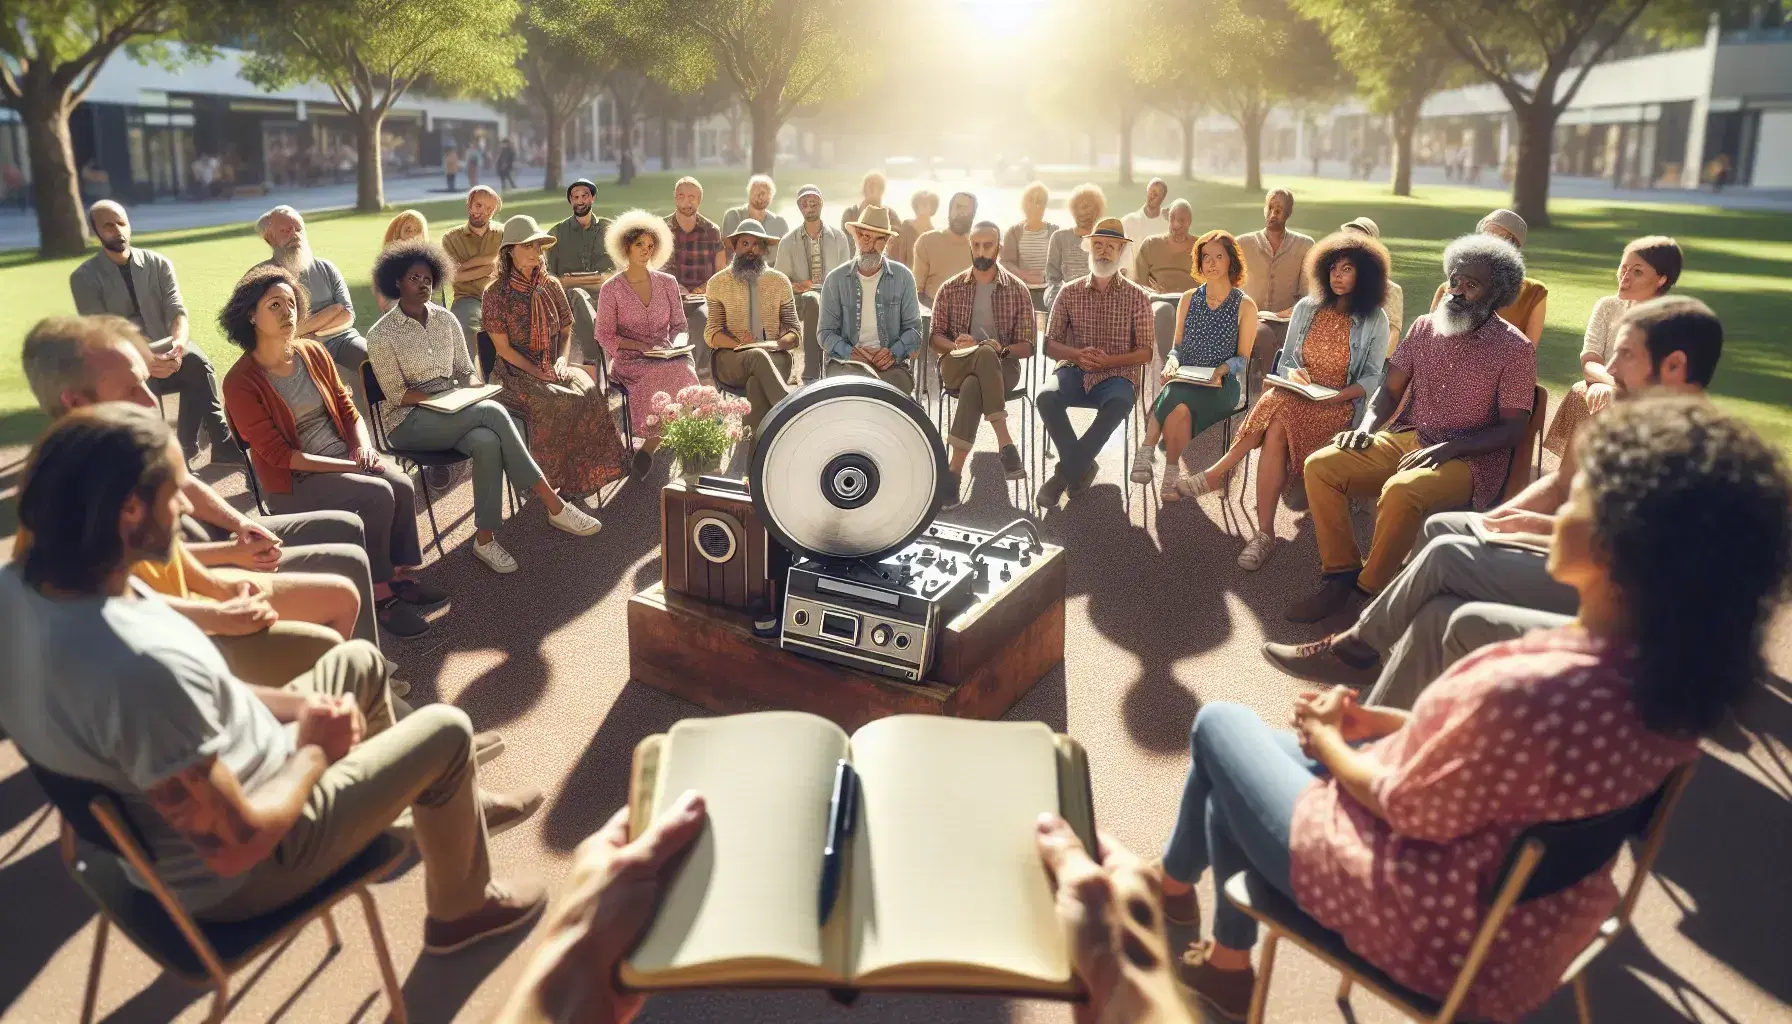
(1389, 827)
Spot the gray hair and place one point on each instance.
(55, 355)
(261, 224)
(1504, 263)
(1179, 204)
(762, 179)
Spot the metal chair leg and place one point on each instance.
(335, 937)
(220, 1002)
(429, 505)
(1344, 986)
(394, 992)
(1582, 1005)
(1265, 967)
(91, 998)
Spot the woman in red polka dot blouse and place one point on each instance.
(1389, 827)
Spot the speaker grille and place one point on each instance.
(715, 539)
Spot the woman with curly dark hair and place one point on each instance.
(418, 352)
(1337, 339)
(308, 445)
(1386, 825)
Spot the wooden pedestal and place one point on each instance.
(989, 656)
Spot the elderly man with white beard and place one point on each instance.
(332, 320)
(1102, 333)
(1467, 379)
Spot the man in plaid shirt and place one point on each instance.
(1102, 332)
(698, 254)
(982, 328)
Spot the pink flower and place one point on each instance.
(672, 410)
(652, 421)
(659, 400)
(733, 433)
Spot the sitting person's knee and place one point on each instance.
(1217, 716)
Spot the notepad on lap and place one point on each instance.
(460, 398)
(1536, 542)
(1205, 376)
(675, 352)
(1317, 392)
(943, 889)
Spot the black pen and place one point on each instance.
(842, 811)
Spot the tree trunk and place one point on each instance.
(61, 227)
(370, 186)
(555, 160)
(1252, 127)
(1188, 147)
(764, 112)
(665, 143)
(1536, 140)
(626, 115)
(1127, 118)
(1406, 122)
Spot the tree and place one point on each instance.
(1172, 74)
(1398, 61)
(1262, 55)
(1100, 82)
(628, 97)
(369, 53)
(50, 53)
(1538, 53)
(559, 78)
(778, 54)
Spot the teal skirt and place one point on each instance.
(1206, 406)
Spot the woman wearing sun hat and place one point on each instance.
(571, 434)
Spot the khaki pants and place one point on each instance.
(277, 654)
(764, 376)
(1403, 499)
(899, 375)
(982, 381)
(424, 763)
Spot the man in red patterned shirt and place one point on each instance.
(1102, 331)
(696, 257)
(1467, 378)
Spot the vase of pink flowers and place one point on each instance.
(698, 425)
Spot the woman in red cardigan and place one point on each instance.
(309, 447)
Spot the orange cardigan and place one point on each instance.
(258, 413)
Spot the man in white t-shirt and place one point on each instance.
(1146, 221)
(240, 814)
(870, 314)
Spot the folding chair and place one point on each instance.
(249, 470)
(415, 458)
(97, 843)
(1543, 860)
(1530, 450)
(942, 410)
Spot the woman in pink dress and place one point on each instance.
(1389, 827)
(638, 311)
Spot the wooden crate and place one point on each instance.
(989, 657)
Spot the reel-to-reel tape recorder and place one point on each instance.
(847, 475)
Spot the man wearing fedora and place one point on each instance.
(582, 262)
(751, 322)
(870, 317)
(807, 255)
(1102, 333)
(1395, 303)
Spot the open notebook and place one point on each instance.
(1535, 542)
(1317, 392)
(1205, 376)
(460, 398)
(943, 888)
(675, 352)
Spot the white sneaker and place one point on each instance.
(495, 557)
(575, 520)
(1141, 463)
(1172, 478)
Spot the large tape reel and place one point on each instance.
(847, 467)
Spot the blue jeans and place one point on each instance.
(1237, 809)
(1112, 400)
(485, 431)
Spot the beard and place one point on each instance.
(1455, 317)
(690, 211)
(870, 260)
(151, 541)
(960, 225)
(118, 244)
(478, 220)
(581, 209)
(983, 263)
(1104, 268)
(811, 217)
(295, 257)
(747, 265)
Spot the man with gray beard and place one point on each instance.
(332, 320)
(752, 322)
(1467, 379)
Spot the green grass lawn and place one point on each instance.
(1739, 262)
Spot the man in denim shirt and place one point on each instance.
(870, 316)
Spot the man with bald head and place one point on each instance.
(1164, 267)
(140, 286)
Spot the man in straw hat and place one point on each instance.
(752, 323)
(1394, 305)
(581, 260)
(1102, 333)
(807, 255)
(870, 317)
